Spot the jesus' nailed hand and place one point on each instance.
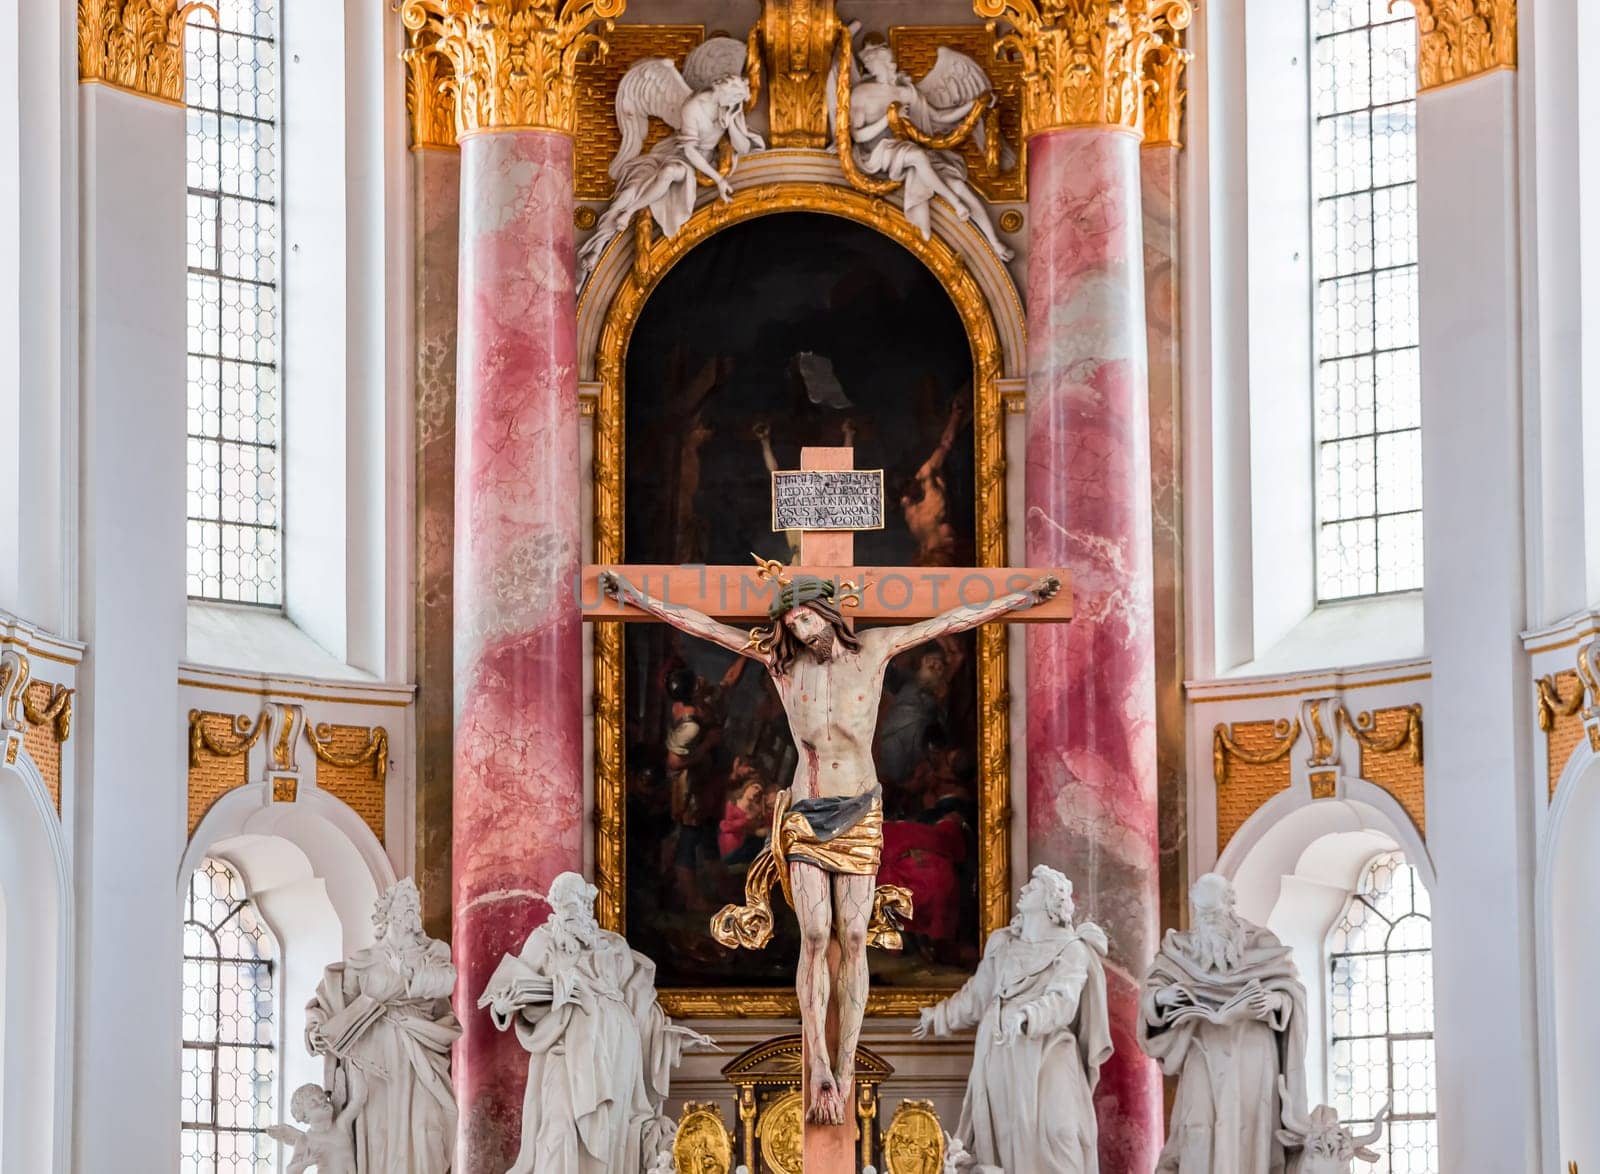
(829, 679)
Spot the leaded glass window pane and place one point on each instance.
(1380, 1005)
(230, 1066)
(1368, 391)
(235, 489)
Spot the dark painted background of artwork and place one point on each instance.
(742, 333)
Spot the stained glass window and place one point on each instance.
(1380, 1002)
(229, 1029)
(1368, 390)
(235, 401)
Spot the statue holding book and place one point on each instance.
(382, 1022)
(600, 1050)
(1223, 1010)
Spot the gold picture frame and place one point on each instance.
(654, 258)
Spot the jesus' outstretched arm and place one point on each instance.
(685, 619)
(962, 618)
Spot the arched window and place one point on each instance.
(1380, 1008)
(1367, 416)
(235, 401)
(230, 1061)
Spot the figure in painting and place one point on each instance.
(935, 105)
(923, 501)
(382, 1021)
(703, 105)
(1223, 1010)
(600, 1050)
(1039, 1004)
(827, 829)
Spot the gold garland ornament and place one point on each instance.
(1285, 733)
(1084, 62)
(512, 63)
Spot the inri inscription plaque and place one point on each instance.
(827, 499)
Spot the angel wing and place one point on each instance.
(286, 1134)
(652, 87)
(952, 85)
(713, 60)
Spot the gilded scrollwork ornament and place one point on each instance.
(1085, 61)
(1459, 39)
(512, 62)
(136, 45)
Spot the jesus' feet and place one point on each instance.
(826, 1104)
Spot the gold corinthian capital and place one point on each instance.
(1460, 39)
(501, 64)
(1088, 62)
(135, 45)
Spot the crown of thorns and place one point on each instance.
(794, 590)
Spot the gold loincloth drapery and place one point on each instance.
(854, 851)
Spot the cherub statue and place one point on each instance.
(935, 106)
(703, 104)
(1325, 1145)
(328, 1142)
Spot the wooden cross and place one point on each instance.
(738, 594)
(741, 594)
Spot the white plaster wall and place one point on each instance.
(1572, 1031)
(35, 952)
(130, 817)
(1479, 826)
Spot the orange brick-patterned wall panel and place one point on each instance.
(1244, 786)
(1398, 771)
(1566, 730)
(40, 741)
(596, 133)
(359, 785)
(212, 776)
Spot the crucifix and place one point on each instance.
(827, 828)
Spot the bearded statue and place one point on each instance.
(1223, 1010)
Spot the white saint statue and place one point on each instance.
(1223, 1010)
(1039, 1004)
(382, 1021)
(600, 1050)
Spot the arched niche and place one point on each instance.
(35, 976)
(313, 869)
(1568, 894)
(1294, 866)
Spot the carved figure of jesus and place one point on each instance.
(827, 829)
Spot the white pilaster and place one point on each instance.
(1479, 826)
(132, 777)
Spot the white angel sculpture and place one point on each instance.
(703, 104)
(935, 106)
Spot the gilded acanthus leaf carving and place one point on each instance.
(1085, 61)
(506, 63)
(136, 45)
(1459, 39)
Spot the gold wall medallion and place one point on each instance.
(1324, 784)
(136, 45)
(781, 1134)
(1085, 63)
(1461, 39)
(1011, 220)
(512, 64)
(914, 1141)
(285, 788)
(655, 259)
(702, 1145)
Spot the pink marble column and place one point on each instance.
(436, 188)
(518, 747)
(1159, 179)
(1091, 690)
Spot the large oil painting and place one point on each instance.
(782, 331)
